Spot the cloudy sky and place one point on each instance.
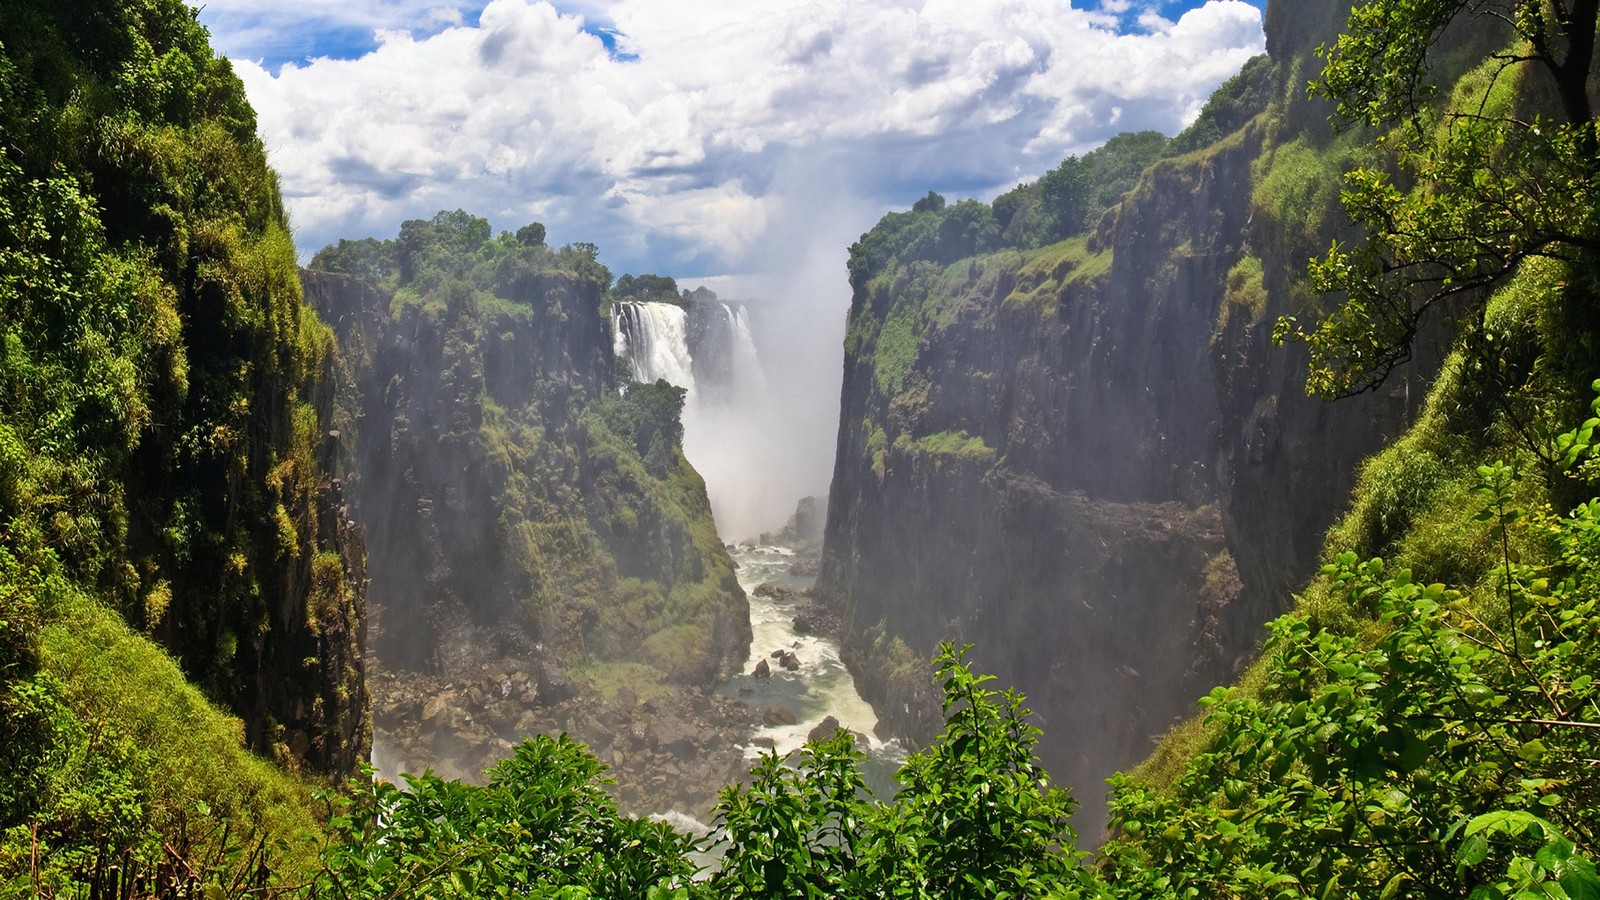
(698, 137)
(739, 144)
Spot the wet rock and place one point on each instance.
(814, 618)
(762, 670)
(555, 686)
(789, 661)
(778, 715)
(824, 729)
(675, 736)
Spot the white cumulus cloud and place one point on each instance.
(743, 145)
(667, 147)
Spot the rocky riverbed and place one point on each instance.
(669, 751)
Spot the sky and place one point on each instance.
(680, 135)
(738, 145)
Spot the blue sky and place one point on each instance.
(687, 137)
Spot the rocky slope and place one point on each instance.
(527, 525)
(1088, 458)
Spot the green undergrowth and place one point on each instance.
(115, 761)
(1045, 273)
(168, 594)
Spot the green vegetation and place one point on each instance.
(660, 288)
(1443, 751)
(161, 457)
(161, 470)
(1229, 108)
(594, 525)
(1245, 291)
(975, 817)
(1504, 174)
(956, 445)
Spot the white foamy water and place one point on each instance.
(821, 687)
(659, 346)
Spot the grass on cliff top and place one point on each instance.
(1046, 272)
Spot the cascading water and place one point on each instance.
(654, 338)
(747, 373)
(727, 419)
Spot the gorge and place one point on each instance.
(462, 501)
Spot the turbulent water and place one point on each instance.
(821, 687)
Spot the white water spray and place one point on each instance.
(729, 416)
(654, 337)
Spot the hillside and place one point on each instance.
(178, 578)
(1080, 447)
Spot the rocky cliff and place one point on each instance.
(1087, 458)
(529, 526)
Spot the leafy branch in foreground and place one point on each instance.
(1423, 763)
(1500, 176)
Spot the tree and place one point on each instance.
(1502, 176)
(531, 234)
(931, 203)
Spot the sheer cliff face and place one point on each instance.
(510, 509)
(164, 398)
(1088, 459)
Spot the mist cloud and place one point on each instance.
(662, 147)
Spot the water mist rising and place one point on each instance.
(708, 350)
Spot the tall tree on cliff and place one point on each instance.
(1482, 188)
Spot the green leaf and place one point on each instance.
(1473, 850)
(1579, 880)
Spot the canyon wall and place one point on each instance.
(543, 556)
(1088, 458)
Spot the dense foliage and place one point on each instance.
(975, 817)
(1505, 172)
(160, 466)
(162, 422)
(1445, 751)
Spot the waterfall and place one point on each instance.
(747, 374)
(728, 412)
(654, 338)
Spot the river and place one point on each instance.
(821, 687)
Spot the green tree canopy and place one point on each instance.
(1504, 171)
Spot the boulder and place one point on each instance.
(555, 686)
(824, 729)
(762, 670)
(778, 715)
(814, 618)
(790, 661)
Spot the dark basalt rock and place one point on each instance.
(816, 619)
(1106, 478)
